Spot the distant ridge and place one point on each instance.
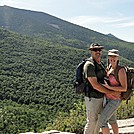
(40, 23)
(111, 35)
(48, 27)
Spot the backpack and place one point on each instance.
(79, 80)
(130, 82)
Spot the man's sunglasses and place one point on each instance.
(96, 49)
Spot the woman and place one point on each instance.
(112, 102)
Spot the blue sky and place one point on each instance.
(104, 16)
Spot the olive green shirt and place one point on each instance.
(93, 69)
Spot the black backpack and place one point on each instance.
(79, 81)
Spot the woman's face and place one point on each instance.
(113, 59)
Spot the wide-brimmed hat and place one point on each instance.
(95, 45)
(113, 52)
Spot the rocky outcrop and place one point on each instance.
(126, 126)
(49, 132)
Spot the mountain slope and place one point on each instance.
(34, 23)
(34, 70)
(48, 27)
(36, 66)
(36, 83)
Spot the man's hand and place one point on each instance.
(106, 84)
(116, 93)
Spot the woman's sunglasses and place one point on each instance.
(96, 49)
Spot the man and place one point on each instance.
(95, 72)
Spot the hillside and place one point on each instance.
(48, 27)
(36, 84)
(34, 65)
(37, 67)
(36, 81)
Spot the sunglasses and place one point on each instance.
(96, 49)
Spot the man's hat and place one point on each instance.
(95, 45)
(113, 52)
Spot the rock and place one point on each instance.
(126, 126)
(49, 132)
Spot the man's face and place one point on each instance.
(96, 53)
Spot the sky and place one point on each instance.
(103, 16)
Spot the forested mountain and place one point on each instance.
(52, 28)
(38, 57)
(38, 75)
(36, 85)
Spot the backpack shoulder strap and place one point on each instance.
(90, 60)
(116, 72)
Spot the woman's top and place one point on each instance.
(112, 82)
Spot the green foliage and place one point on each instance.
(126, 110)
(16, 118)
(74, 121)
(36, 74)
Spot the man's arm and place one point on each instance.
(101, 88)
